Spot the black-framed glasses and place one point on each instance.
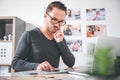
(55, 21)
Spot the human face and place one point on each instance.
(55, 19)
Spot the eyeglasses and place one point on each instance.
(55, 21)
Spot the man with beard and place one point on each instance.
(40, 49)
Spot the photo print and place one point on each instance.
(75, 45)
(95, 14)
(95, 30)
(73, 14)
(72, 29)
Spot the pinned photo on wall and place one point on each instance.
(75, 45)
(95, 30)
(95, 14)
(73, 14)
(72, 29)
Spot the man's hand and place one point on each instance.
(58, 36)
(44, 66)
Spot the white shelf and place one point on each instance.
(14, 26)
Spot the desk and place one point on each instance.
(36, 75)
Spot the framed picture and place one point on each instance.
(75, 45)
(95, 14)
(72, 30)
(95, 30)
(73, 14)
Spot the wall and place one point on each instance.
(32, 11)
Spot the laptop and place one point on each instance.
(108, 48)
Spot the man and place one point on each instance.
(41, 48)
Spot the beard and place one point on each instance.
(53, 29)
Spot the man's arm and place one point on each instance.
(19, 62)
(66, 54)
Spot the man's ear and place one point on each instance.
(45, 15)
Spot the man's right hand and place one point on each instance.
(44, 66)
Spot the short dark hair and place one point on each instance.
(56, 4)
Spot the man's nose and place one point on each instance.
(57, 25)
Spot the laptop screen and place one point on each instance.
(105, 52)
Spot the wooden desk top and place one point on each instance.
(36, 75)
(62, 76)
